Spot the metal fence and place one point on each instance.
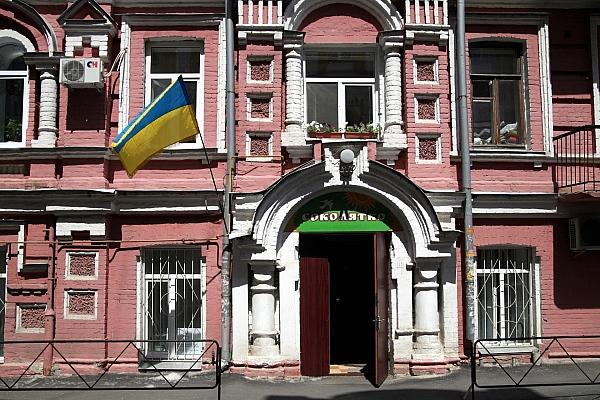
(39, 365)
(504, 374)
(577, 167)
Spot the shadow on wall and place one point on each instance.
(418, 394)
(576, 273)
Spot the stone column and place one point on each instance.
(427, 317)
(263, 336)
(393, 96)
(47, 129)
(294, 117)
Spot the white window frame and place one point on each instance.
(436, 70)
(143, 278)
(187, 77)
(10, 36)
(438, 144)
(342, 83)
(18, 327)
(251, 59)
(437, 108)
(535, 295)
(67, 311)
(69, 276)
(249, 136)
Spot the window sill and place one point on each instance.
(506, 155)
(497, 349)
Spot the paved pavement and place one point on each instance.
(453, 386)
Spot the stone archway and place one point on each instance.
(267, 255)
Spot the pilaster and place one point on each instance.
(263, 334)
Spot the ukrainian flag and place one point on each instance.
(167, 120)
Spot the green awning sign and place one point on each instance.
(343, 212)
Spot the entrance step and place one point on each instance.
(348, 370)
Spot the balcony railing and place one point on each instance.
(577, 168)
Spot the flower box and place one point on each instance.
(317, 134)
(360, 135)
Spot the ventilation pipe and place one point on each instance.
(469, 249)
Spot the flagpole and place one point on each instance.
(230, 142)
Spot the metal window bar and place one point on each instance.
(504, 293)
(173, 306)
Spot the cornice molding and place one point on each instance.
(175, 19)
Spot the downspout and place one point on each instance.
(50, 323)
(469, 250)
(230, 143)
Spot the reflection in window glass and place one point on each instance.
(322, 101)
(13, 75)
(359, 105)
(167, 60)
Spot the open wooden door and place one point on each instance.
(381, 308)
(314, 316)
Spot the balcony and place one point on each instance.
(577, 167)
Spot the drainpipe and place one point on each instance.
(230, 138)
(50, 315)
(469, 250)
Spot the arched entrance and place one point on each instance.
(344, 284)
(279, 230)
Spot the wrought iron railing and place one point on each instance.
(570, 365)
(77, 365)
(577, 167)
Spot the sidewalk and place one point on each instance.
(453, 386)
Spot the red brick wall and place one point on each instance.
(340, 24)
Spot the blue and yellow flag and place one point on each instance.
(167, 120)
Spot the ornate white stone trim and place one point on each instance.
(66, 226)
(124, 76)
(383, 10)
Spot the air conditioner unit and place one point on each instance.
(584, 233)
(81, 72)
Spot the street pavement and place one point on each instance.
(452, 386)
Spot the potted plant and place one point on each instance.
(362, 131)
(318, 130)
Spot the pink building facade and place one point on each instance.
(347, 204)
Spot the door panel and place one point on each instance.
(314, 316)
(381, 308)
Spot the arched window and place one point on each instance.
(13, 92)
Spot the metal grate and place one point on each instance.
(504, 293)
(173, 291)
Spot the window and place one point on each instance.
(173, 291)
(340, 89)
(505, 294)
(497, 94)
(164, 63)
(13, 84)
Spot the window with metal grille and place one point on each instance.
(172, 302)
(505, 293)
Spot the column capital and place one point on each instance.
(44, 63)
(391, 40)
(293, 39)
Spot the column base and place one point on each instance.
(264, 351)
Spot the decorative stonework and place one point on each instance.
(260, 70)
(81, 265)
(426, 71)
(428, 149)
(260, 108)
(31, 317)
(259, 146)
(80, 305)
(426, 109)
